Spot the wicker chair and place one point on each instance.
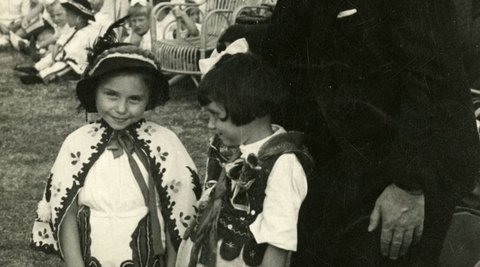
(180, 55)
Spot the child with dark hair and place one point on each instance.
(70, 52)
(249, 209)
(122, 190)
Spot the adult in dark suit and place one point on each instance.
(380, 89)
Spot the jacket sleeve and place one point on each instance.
(436, 143)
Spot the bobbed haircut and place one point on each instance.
(247, 87)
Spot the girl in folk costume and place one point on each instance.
(122, 190)
(70, 53)
(249, 209)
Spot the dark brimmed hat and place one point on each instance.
(82, 7)
(123, 57)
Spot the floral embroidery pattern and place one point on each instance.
(43, 234)
(185, 219)
(161, 155)
(75, 157)
(56, 189)
(174, 185)
(149, 130)
(94, 130)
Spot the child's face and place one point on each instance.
(121, 100)
(229, 133)
(194, 14)
(139, 24)
(58, 14)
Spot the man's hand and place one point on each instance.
(402, 214)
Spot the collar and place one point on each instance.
(254, 148)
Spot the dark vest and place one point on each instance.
(233, 224)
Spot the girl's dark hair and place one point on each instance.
(246, 86)
(155, 97)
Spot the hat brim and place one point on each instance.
(71, 7)
(86, 87)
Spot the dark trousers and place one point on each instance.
(333, 228)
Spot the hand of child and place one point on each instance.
(177, 12)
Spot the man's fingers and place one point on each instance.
(385, 239)
(407, 240)
(396, 244)
(417, 235)
(374, 218)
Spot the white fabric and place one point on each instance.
(239, 46)
(277, 224)
(11, 10)
(286, 189)
(116, 205)
(183, 32)
(140, 2)
(102, 22)
(45, 15)
(75, 50)
(145, 43)
(66, 31)
(57, 68)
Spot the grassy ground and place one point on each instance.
(34, 120)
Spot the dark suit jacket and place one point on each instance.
(468, 24)
(389, 85)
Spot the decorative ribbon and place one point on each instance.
(122, 142)
(140, 2)
(239, 46)
(242, 173)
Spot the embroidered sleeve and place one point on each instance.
(285, 191)
(65, 179)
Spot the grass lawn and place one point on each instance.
(34, 120)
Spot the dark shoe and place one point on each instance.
(31, 79)
(26, 68)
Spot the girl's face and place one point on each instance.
(194, 14)
(229, 133)
(58, 14)
(139, 24)
(121, 100)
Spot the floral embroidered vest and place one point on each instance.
(240, 208)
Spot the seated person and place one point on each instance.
(70, 53)
(61, 28)
(139, 22)
(35, 22)
(189, 22)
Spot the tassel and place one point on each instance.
(206, 234)
(43, 211)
